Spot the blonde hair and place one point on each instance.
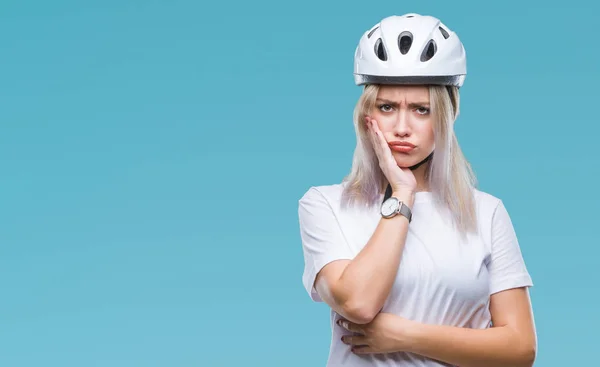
(449, 175)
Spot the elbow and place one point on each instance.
(359, 313)
(528, 353)
(530, 356)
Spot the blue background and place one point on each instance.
(152, 154)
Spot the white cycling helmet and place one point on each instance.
(410, 49)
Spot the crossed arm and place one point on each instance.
(510, 342)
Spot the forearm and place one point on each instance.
(366, 281)
(464, 347)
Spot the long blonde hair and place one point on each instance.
(449, 174)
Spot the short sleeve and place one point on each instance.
(506, 266)
(322, 237)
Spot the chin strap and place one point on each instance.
(412, 168)
(388, 193)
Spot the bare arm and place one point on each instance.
(358, 288)
(510, 342)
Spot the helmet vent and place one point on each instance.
(380, 50)
(372, 31)
(444, 33)
(404, 42)
(429, 51)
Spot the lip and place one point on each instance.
(401, 146)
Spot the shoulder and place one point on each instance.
(330, 194)
(319, 207)
(485, 200)
(488, 206)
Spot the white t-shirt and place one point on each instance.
(440, 280)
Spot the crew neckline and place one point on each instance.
(420, 196)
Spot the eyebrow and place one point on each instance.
(395, 104)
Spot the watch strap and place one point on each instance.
(405, 211)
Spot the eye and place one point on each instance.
(385, 107)
(422, 111)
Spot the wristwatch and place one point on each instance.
(393, 206)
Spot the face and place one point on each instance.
(403, 115)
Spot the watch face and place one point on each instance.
(389, 206)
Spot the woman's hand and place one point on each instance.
(401, 179)
(387, 333)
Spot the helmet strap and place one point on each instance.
(427, 159)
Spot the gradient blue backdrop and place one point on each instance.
(152, 154)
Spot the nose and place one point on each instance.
(402, 126)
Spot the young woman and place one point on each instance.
(419, 267)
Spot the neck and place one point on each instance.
(422, 183)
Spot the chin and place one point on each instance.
(405, 161)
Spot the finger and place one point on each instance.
(355, 340)
(367, 122)
(371, 130)
(374, 125)
(350, 326)
(378, 133)
(380, 140)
